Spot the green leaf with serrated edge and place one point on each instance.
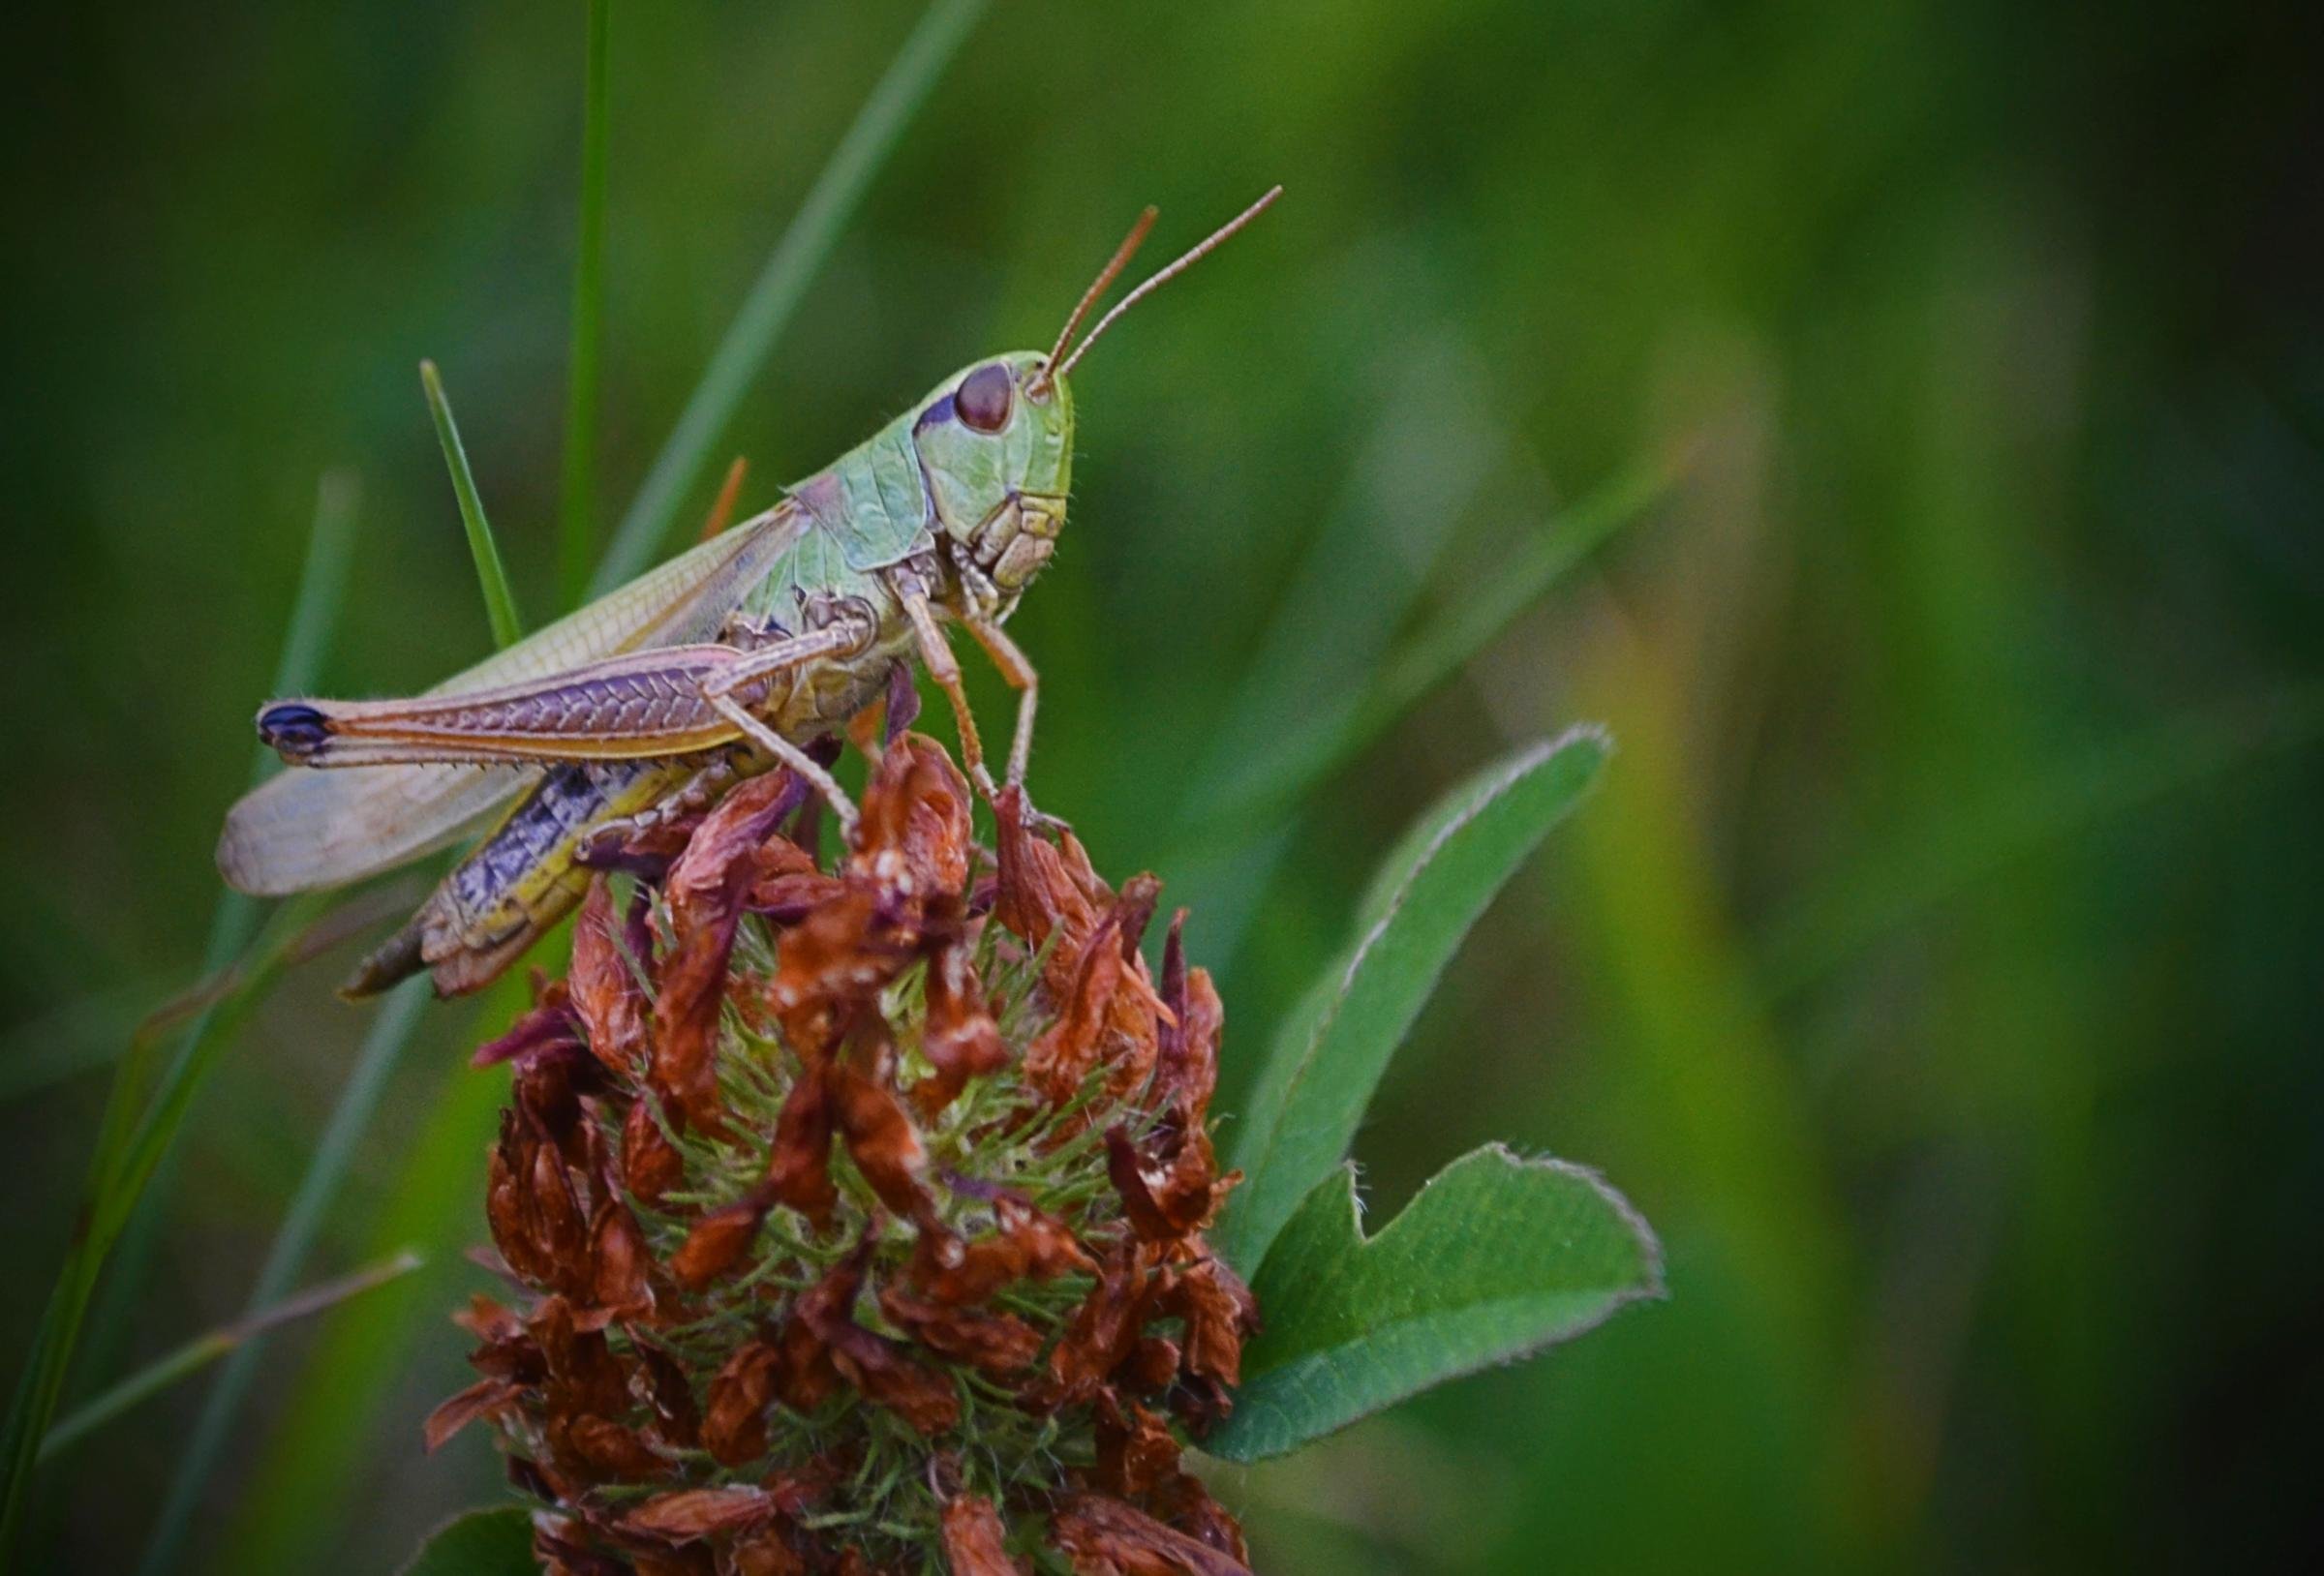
(1497, 1257)
(1329, 1056)
(478, 1543)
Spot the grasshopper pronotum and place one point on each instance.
(726, 660)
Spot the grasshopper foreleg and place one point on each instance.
(936, 654)
(1017, 671)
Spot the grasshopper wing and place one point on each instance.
(303, 831)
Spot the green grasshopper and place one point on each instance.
(732, 658)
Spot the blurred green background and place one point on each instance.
(1939, 966)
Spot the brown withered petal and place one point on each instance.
(1102, 1330)
(878, 1366)
(915, 830)
(788, 897)
(560, 1228)
(1124, 1168)
(705, 891)
(690, 1514)
(611, 1448)
(677, 1421)
(488, 1320)
(1075, 860)
(1153, 1363)
(873, 1363)
(1219, 1312)
(1057, 1063)
(1168, 1203)
(508, 1202)
(479, 1400)
(975, 1543)
(1134, 908)
(1105, 1537)
(549, 1026)
(1029, 1245)
(606, 993)
(651, 1163)
(799, 1161)
(618, 1258)
(960, 1039)
(806, 1377)
(1135, 1451)
(765, 1552)
(720, 1239)
(998, 1343)
(881, 1139)
(734, 1427)
(1185, 1504)
(1187, 1064)
(562, 1551)
(583, 1373)
(838, 955)
(1037, 893)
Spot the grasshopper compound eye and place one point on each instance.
(981, 401)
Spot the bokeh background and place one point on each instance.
(1938, 965)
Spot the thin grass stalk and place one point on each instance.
(203, 1349)
(391, 1032)
(774, 297)
(1440, 649)
(492, 576)
(113, 1184)
(578, 498)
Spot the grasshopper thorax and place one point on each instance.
(995, 445)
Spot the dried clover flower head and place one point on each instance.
(859, 1214)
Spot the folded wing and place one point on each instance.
(303, 831)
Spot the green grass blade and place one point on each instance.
(285, 1261)
(577, 504)
(776, 295)
(1324, 1065)
(113, 1184)
(1309, 748)
(322, 593)
(128, 1153)
(344, 1401)
(500, 602)
(204, 1350)
(1496, 1258)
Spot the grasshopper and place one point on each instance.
(742, 654)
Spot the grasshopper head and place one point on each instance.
(996, 442)
(996, 446)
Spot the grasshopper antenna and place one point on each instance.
(1153, 282)
(1098, 287)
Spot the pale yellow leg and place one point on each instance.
(936, 654)
(792, 756)
(1017, 671)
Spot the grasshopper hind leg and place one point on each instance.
(394, 960)
(521, 880)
